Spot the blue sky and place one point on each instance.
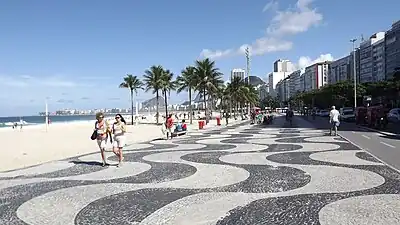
(76, 52)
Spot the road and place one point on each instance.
(383, 145)
(242, 174)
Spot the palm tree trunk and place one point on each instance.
(157, 106)
(205, 104)
(190, 106)
(166, 104)
(132, 106)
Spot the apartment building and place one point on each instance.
(238, 73)
(392, 50)
(340, 70)
(283, 65)
(372, 56)
(316, 75)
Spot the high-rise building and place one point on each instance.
(372, 56)
(316, 75)
(392, 50)
(282, 69)
(340, 70)
(283, 65)
(238, 73)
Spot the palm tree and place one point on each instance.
(153, 80)
(167, 85)
(133, 84)
(208, 78)
(186, 82)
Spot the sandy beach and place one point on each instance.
(34, 145)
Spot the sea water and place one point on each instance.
(32, 120)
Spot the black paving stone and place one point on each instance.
(129, 207)
(367, 156)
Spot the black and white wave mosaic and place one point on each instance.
(243, 174)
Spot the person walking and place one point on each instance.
(119, 129)
(334, 120)
(169, 123)
(103, 130)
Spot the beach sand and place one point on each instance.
(33, 145)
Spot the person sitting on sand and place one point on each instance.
(103, 129)
(119, 129)
(178, 127)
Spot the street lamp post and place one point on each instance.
(247, 52)
(355, 72)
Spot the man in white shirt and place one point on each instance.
(334, 120)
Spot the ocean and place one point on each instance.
(32, 120)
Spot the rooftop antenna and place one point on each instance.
(362, 37)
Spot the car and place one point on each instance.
(347, 115)
(394, 115)
(324, 113)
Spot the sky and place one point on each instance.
(75, 53)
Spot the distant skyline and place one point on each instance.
(77, 52)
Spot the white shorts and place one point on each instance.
(119, 141)
(102, 143)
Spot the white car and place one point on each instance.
(347, 115)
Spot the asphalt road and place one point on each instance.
(382, 145)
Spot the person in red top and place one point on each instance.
(184, 126)
(169, 124)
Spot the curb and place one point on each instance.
(365, 150)
(379, 131)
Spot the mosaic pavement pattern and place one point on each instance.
(237, 175)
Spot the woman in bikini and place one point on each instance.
(103, 130)
(119, 129)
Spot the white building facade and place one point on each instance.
(316, 76)
(283, 65)
(238, 73)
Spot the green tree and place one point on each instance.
(133, 84)
(208, 78)
(186, 82)
(167, 85)
(153, 79)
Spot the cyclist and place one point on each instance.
(334, 120)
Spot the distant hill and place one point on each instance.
(153, 102)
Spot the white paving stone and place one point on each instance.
(60, 207)
(342, 157)
(39, 169)
(381, 209)
(324, 139)
(306, 146)
(203, 208)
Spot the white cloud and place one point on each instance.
(305, 61)
(294, 21)
(258, 47)
(271, 5)
(291, 21)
